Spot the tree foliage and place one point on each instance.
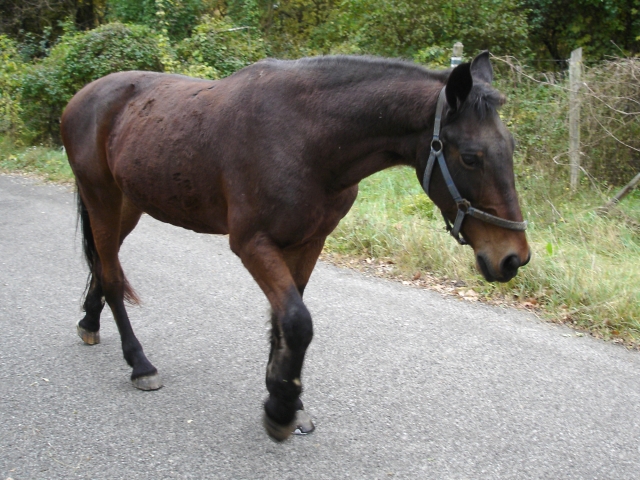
(543, 29)
(11, 68)
(412, 28)
(177, 17)
(44, 18)
(600, 27)
(221, 47)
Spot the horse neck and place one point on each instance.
(381, 127)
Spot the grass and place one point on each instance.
(585, 269)
(49, 163)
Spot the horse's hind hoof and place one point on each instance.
(148, 382)
(276, 431)
(303, 424)
(90, 338)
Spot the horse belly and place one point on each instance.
(179, 186)
(181, 203)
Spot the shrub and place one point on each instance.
(217, 48)
(11, 69)
(177, 17)
(78, 59)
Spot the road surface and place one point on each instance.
(401, 382)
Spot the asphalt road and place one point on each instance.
(402, 383)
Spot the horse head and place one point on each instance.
(473, 184)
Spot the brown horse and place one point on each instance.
(272, 156)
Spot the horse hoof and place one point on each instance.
(90, 338)
(148, 382)
(277, 432)
(303, 424)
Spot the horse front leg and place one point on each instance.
(291, 332)
(301, 261)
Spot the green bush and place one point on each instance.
(218, 48)
(407, 28)
(11, 69)
(78, 59)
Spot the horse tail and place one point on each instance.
(91, 253)
(88, 243)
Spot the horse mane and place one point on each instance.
(353, 68)
(483, 99)
(369, 66)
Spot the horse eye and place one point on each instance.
(470, 160)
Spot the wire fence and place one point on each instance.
(609, 97)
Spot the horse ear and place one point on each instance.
(481, 68)
(459, 85)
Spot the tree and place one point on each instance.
(177, 16)
(18, 18)
(600, 27)
(404, 28)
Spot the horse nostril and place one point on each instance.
(527, 260)
(510, 266)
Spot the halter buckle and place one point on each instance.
(436, 145)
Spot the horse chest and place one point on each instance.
(320, 216)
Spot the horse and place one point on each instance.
(272, 156)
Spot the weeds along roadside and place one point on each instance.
(585, 269)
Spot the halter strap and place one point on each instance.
(464, 206)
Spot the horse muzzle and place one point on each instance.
(507, 267)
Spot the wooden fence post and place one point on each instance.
(575, 71)
(456, 58)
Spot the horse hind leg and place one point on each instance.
(89, 327)
(111, 218)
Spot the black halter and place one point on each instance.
(464, 206)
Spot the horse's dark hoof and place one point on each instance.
(90, 338)
(303, 424)
(148, 382)
(276, 431)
